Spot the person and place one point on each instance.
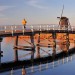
(24, 23)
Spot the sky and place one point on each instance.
(12, 12)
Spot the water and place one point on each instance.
(64, 66)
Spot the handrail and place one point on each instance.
(35, 27)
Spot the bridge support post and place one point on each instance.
(0, 49)
(74, 42)
(33, 47)
(38, 47)
(15, 50)
(67, 41)
(54, 43)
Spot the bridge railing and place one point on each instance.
(43, 27)
(10, 28)
(51, 27)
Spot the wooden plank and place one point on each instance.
(23, 46)
(24, 49)
(44, 45)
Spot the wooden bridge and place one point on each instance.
(31, 30)
(17, 30)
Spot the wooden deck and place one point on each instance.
(29, 32)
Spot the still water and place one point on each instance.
(64, 66)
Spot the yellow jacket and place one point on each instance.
(24, 22)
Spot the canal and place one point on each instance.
(62, 66)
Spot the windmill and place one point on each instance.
(64, 21)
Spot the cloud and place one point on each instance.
(35, 3)
(2, 8)
(3, 17)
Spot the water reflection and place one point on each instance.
(46, 48)
(40, 66)
(51, 65)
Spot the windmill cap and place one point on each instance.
(64, 18)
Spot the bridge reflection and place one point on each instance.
(41, 66)
(53, 57)
(56, 54)
(49, 65)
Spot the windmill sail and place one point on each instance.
(62, 11)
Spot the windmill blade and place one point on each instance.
(62, 11)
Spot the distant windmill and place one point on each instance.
(64, 21)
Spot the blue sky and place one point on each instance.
(35, 11)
